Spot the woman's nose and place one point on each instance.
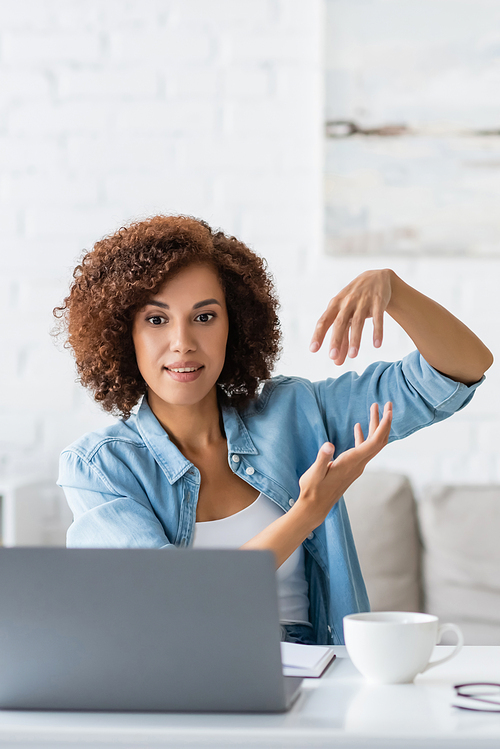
(182, 338)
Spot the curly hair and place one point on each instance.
(115, 279)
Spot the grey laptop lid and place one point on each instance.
(140, 629)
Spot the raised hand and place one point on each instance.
(366, 296)
(322, 485)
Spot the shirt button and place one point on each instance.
(310, 536)
(235, 458)
(291, 501)
(329, 629)
(250, 470)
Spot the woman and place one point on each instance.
(219, 453)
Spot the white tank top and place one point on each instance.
(237, 529)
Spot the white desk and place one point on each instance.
(339, 710)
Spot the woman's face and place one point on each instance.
(184, 325)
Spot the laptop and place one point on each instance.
(184, 630)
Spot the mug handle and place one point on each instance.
(458, 647)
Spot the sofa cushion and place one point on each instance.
(383, 518)
(460, 529)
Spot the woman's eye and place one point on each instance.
(157, 320)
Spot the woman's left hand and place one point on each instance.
(367, 296)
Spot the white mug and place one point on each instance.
(392, 647)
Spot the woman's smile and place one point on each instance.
(184, 376)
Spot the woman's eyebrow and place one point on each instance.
(155, 303)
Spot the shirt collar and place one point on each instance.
(172, 461)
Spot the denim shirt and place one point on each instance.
(128, 485)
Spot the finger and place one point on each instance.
(381, 435)
(379, 438)
(357, 325)
(326, 449)
(374, 419)
(358, 435)
(326, 320)
(342, 353)
(386, 422)
(378, 325)
(340, 327)
(387, 415)
(325, 458)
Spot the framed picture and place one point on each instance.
(412, 132)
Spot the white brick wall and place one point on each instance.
(115, 110)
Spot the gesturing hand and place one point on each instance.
(367, 296)
(322, 485)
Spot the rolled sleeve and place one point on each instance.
(103, 516)
(442, 393)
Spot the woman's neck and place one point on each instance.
(194, 429)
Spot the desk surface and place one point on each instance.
(340, 710)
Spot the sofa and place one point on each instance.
(440, 554)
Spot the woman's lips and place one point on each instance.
(184, 376)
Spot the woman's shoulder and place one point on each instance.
(278, 389)
(121, 432)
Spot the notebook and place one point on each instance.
(305, 660)
(184, 630)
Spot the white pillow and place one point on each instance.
(383, 518)
(460, 529)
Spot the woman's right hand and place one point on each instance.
(322, 485)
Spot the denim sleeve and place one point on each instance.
(420, 396)
(104, 517)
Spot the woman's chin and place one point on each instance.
(178, 395)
